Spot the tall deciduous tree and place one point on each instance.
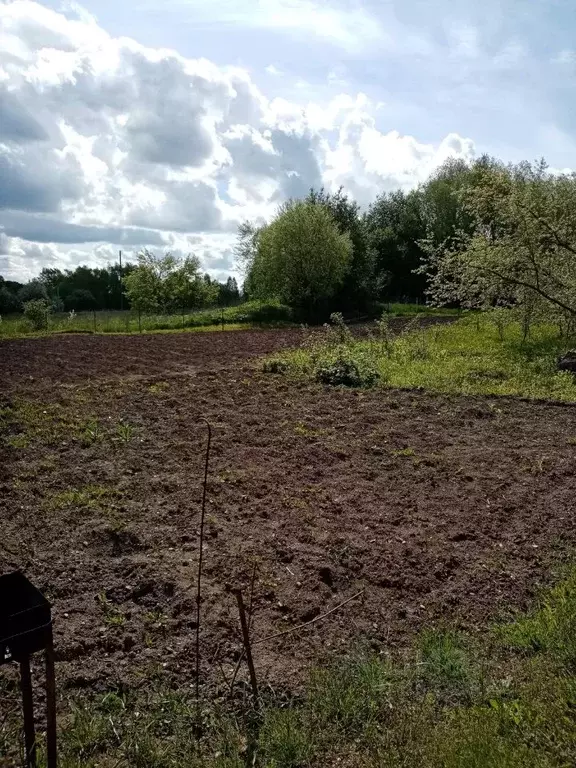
(523, 246)
(166, 283)
(357, 287)
(394, 225)
(301, 258)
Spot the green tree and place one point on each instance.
(522, 250)
(184, 288)
(80, 300)
(357, 288)
(144, 286)
(301, 258)
(167, 283)
(228, 293)
(8, 301)
(33, 291)
(394, 226)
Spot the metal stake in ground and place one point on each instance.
(199, 579)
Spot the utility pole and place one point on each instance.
(121, 285)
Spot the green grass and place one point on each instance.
(245, 315)
(466, 357)
(395, 309)
(505, 698)
(88, 497)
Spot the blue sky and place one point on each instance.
(500, 71)
(198, 114)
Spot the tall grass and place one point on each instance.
(245, 315)
(470, 356)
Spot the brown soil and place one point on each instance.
(443, 509)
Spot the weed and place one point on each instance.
(112, 615)
(91, 497)
(91, 432)
(403, 452)
(444, 663)
(156, 618)
(18, 441)
(158, 387)
(285, 739)
(275, 365)
(302, 429)
(125, 431)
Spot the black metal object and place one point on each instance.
(25, 628)
(25, 618)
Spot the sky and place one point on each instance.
(130, 124)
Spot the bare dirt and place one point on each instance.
(444, 510)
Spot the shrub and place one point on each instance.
(345, 372)
(275, 366)
(36, 312)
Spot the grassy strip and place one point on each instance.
(395, 309)
(471, 356)
(247, 315)
(244, 315)
(504, 700)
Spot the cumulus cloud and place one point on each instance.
(105, 142)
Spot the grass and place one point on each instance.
(24, 423)
(505, 698)
(88, 497)
(467, 357)
(395, 309)
(247, 315)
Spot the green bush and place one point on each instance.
(36, 313)
(345, 372)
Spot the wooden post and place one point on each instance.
(51, 748)
(140, 320)
(28, 710)
(94, 319)
(246, 639)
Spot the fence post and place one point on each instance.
(94, 319)
(140, 320)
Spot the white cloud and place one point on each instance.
(109, 143)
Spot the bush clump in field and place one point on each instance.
(275, 366)
(345, 372)
(36, 313)
(472, 356)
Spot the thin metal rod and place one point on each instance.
(51, 744)
(246, 639)
(307, 623)
(200, 557)
(28, 710)
(121, 284)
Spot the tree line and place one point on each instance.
(478, 234)
(151, 284)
